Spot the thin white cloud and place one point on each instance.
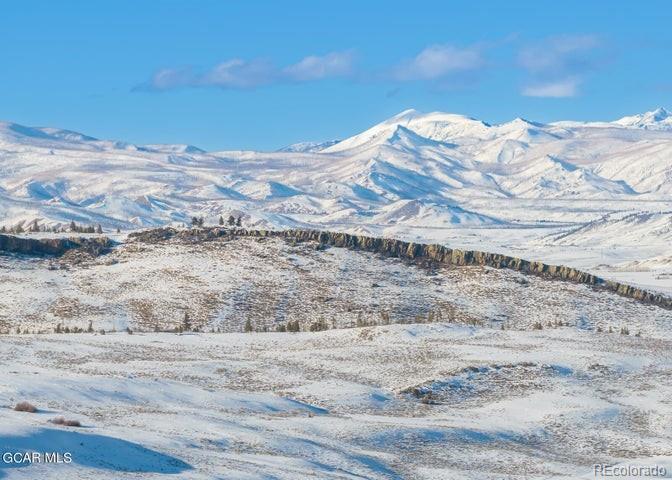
(335, 64)
(555, 67)
(237, 73)
(558, 65)
(439, 61)
(558, 89)
(168, 78)
(247, 74)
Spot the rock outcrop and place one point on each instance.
(52, 246)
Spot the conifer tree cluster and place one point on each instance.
(85, 228)
(36, 227)
(435, 315)
(233, 221)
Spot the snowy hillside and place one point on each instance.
(428, 176)
(415, 371)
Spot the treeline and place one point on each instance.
(448, 314)
(36, 227)
(436, 315)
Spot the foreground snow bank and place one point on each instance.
(335, 404)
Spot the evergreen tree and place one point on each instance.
(384, 318)
(99, 229)
(231, 221)
(90, 327)
(248, 326)
(221, 220)
(73, 226)
(239, 222)
(186, 322)
(319, 326)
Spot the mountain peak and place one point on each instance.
(434, 127)
(659, 114)
(520, 121)
(658, 119)
(405, 115)
(416, 116)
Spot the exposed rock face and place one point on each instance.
(52, 246)
(418, 252)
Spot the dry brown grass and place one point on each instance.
(25, 407)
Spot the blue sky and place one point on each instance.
(260, 75)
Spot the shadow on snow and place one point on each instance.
(92, 451)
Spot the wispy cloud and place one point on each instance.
(237, 73)
(555, 67)
(558, 89)
(438, 62)
(335, 64)
(558, 65)
(248, 74)
(167, 78)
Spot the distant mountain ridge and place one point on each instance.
(415, 169)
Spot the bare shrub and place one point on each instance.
(66, 423)
(25, 407)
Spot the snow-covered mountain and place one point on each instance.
(414, 172)
(659, 119)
